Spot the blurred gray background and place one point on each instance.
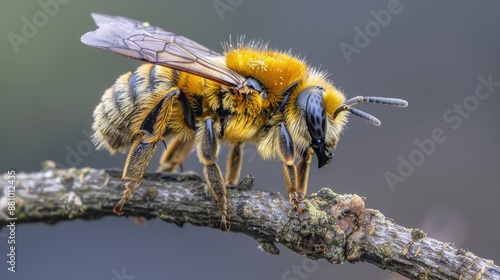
(429, 53)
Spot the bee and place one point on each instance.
(201, 99)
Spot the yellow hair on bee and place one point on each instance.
(249, 103)
(274, 69)
(269, 144)
(243, 129)
(190, 84)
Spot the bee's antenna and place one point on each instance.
(378, 100)
(370, 99)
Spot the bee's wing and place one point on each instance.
(152, 44)
(101, 20)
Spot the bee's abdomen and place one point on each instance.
(131, 93)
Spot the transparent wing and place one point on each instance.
(101, 20)
(152, 44)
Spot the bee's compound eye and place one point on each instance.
(310, 103)
(316, 116)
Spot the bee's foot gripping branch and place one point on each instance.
(127, 194)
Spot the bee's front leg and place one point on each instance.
(208, 152)
(286, 153)
(303, 169)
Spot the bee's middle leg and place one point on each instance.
(303, 170)
(208, 153)
(176, 153)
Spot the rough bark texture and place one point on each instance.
(335, 227)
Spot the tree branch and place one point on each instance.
(335, 227)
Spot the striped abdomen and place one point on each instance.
(116, 116)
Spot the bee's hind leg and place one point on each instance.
(143, 148)
(137, 162)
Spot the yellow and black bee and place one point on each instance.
(202, 98)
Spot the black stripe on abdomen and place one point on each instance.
(132, 85)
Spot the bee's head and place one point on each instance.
(312, 106)
(310, 102)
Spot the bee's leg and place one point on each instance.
(208, 151)
(137, 162)
(286, 153)
(234, 163)
(303, 170)
(142, 150)
(177, 151)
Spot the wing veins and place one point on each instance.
(155, 45)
